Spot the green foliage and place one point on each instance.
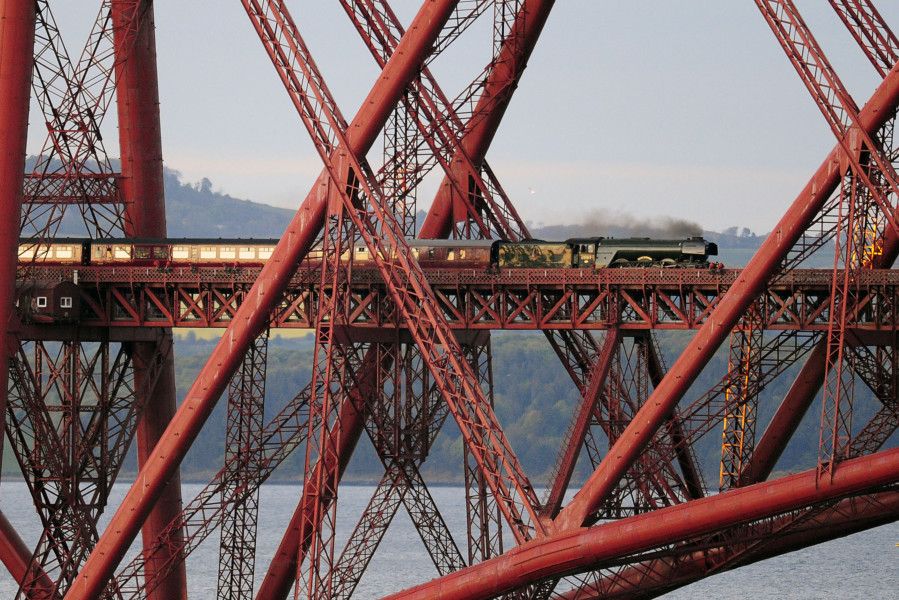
(535, 401)
(198, 211)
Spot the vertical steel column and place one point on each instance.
(140, 141)
(17, 23)
(282, 571)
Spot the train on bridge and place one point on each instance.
(576, 253)
(60, 302)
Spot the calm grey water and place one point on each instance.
(863, 567)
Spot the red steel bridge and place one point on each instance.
(399, 349)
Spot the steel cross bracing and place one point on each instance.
(727, 312)
(402, 428)
(383, 26)
(859, 223)
(741, 398)
(243, 454)
(297, 240)
(666, 573)
(555, 300)
(363, 206)
(73, 168)
(72, 461)
(848, 310)
(440, 126)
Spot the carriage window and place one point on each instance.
(266, 252)
(362, 250)
(461, 254)
(121, 251)
(65, 302)
(227, 252)
(141, 252)
(63, 251)
(180, 252)
(246, 252)
(42, 302)
(160, 252)
(207, 252)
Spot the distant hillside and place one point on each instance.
(195, 210)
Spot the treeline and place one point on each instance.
(535, 401)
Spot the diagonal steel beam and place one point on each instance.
(580, 549)
(878, 42)
(359, 207)
(253, 314)
(16, 557)
(580, 425)
(667, 572)
(730, 308)
(871, 32)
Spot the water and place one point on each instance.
(863, 566)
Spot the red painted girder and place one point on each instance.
(141, 187)
(16, 60)
(490, 109)
(580, 549)
(871, 32)
(281, 574)
(879, 43)
(204, 514)
(140, 137)
(282, 570)
(435, 116)
(362, 204)
(16, 556)
(17, 23)
(667, 573)
(685, 458)
(508, 68)
(633, 300)
(725, 316)
(475, 140)
(834, 101)
(252, 316)
(581, 424)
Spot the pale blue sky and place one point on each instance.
(685, 108)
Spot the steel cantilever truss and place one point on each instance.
(399, 351)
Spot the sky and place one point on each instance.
(638, 108)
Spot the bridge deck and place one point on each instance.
(473, 299)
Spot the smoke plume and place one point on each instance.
(620, 224)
